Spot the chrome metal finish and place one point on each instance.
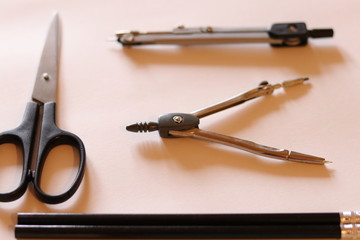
(199, 38)
(47, 75)
(198, 35)
(187, 125)
(278, 35)
(350, 224)
(184, 30)
(249, 146)
(350, 231)
(177, 119)
(263, 89)
(350, 217)
(129, 38)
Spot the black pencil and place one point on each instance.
(270, 225)
(178, 232)
(176, 219)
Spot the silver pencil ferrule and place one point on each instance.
(350, 231)
(350, 224)
(350, 217)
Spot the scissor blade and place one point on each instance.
(47, 75)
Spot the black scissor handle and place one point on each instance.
(52, 136)
(22, 137)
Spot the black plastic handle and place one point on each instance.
(296, 34)
(51, 136)
(22, 137)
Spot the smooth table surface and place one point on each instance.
(103, 87)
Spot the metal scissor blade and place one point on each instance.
(47, 75)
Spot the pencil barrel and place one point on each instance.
(178, 226)
(177, 232)
(178, 219)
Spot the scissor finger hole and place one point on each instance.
(60, 169)
(11, 166)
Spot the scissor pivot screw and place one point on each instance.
(178, 119)
(46, 76)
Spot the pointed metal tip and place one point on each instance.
(293, 82)
(56, 16)
(55, 23)
(47, 74)
(305, 158)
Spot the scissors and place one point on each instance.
(177, 125)
(38, 134)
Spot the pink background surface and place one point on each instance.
(103, 87)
